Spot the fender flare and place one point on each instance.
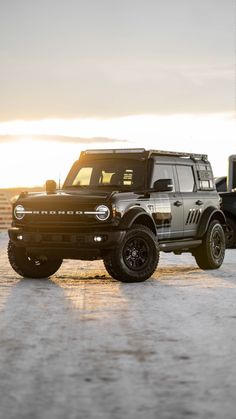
(132, 215)
(211, 213)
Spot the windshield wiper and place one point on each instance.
(108, 186)
(75, 186)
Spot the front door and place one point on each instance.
(167, 207)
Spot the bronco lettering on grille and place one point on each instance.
(53, 212)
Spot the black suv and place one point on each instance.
(123, 206)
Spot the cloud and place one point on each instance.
(58, 138)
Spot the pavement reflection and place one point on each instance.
(93, 297)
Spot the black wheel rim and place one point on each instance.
(229, 235)
(217, 244)
(135, 254)
(37, 262)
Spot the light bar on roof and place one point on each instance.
(115, 151)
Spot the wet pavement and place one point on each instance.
(82, 345)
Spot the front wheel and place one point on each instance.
(31, 267)
(210, 254)
(135, 258)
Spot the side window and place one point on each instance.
(163, 171)
(186, 178)
(234, 174)
(205, 177)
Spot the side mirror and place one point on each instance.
(163, 185)
(51, 186)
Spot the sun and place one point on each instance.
(30, 162)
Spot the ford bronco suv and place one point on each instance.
(123, 206)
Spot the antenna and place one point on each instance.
(59, 181)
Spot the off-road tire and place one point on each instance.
(31, 267)
(210, 254)
(230, 234)
(135, 258)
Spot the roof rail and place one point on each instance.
(192, 156)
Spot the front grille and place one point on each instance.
(53, 238)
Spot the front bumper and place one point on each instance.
(86, 245)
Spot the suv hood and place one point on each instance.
(64, 197)
(62, 207)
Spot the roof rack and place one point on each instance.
(149, 153)
(192, 156)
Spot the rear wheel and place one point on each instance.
(210, 254)
(230, 234)
(29, 266)
(135, 258)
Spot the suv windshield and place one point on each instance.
(121, 173)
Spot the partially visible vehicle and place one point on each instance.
(221, 183)
(226, 186)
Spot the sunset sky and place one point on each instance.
(79, 74)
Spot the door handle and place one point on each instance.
(199, 202)
(178, 203)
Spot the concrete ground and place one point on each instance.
(81, 345)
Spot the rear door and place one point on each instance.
(192, 205)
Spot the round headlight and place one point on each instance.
(102, 212)
(19, 212)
